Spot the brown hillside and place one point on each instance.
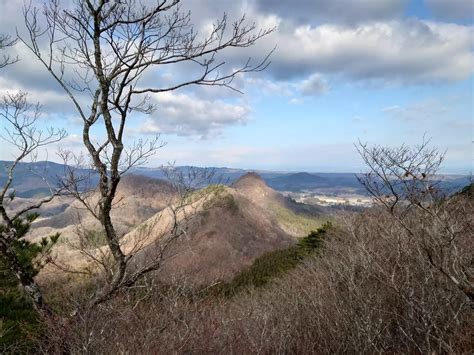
(230, 227)
(224, 238)
(138, 198)
(226, 233)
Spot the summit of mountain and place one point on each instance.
(252, 186)
(249, 179)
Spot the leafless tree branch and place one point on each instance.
(109, 46)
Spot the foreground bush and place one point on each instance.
(372, 290)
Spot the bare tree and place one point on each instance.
(5, 42)
(22, 133)
(103, 49)
(404, 181)
(149, 245)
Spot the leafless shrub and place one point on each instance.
(403, 181)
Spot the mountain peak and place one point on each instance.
(249, 179)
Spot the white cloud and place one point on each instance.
(302, 157)
(269, 87)
(395, 52)
(393, 108)
(425, 111)
(296, 101)
(188, 115)
(315, 85)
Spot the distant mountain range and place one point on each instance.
(281, 181)
(32, 179)
(327, 183)
(307, 181)
(37, 178)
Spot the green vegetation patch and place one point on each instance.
(19, 324)
(273, 264)
(227, 201)
(211, 192)
(18, 320)
(300, 223)
(218, 196)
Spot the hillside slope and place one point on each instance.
(138, 198)
(295, 218)
(229, 230)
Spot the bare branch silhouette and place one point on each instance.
(103, 50)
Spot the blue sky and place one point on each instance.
(379, 71)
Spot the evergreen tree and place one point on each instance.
(18, 319)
